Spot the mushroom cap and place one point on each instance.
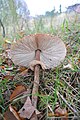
(52, 49)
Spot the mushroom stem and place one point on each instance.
(36, 80)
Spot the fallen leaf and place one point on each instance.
(19, 89)
(2, 67)
(27, 110)
(13, 111)
(34, 116)
(23, 73)
(79, 60)
(8, 115)
(50, 114)
(59, 112)
(21, 69)
(8, 77)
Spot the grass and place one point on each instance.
(58, 84)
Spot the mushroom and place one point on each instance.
(44, 48)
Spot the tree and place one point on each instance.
(3, 28)
(51, 13)
(60, 9)
(11, 11)
(22, 9)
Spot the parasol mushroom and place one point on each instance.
(48, 50)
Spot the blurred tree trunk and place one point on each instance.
(3, 28)
(11, 13)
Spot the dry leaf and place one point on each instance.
(19, 89)
(34, 116)
(13, 111)
(23, 73)
(8, 77)
(79, 60)
(2, 67)
(27, 110)
(9, 115)
(51, 114)
(21, 69)
(59, 112)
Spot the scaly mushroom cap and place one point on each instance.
(52, 49)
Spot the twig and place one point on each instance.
(68, 104)
(70, 86)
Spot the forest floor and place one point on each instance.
(59, 88)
